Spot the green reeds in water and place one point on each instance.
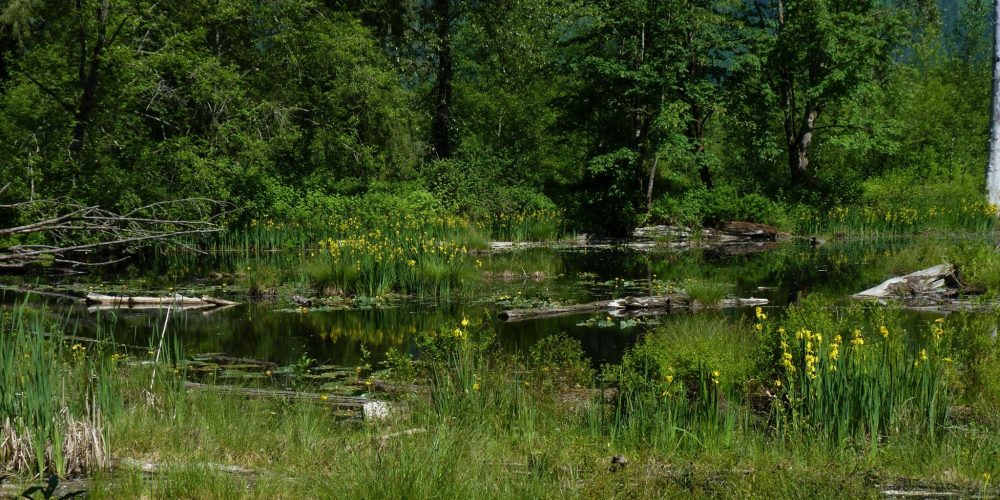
(54, 399)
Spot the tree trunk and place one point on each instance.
(993, 168)
(649, 187)
(89, 72)
(696, 133)
(804, 141)
(443, 85)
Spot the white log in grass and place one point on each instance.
(993, 169)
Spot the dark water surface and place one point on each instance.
(283, 334)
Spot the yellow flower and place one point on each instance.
(458, 333)
(923, 355)
(777, 383)
(858, 340)
(465, 322)
(669, 378)
(884, 331)
(475, 386)
(760, 314)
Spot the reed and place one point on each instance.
(54, 400)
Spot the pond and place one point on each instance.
(283, 333)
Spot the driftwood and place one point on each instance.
(940, 281)
(666, 303)
(177, 300)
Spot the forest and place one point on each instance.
(499, 249)
(613, 113)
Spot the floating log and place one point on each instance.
(177, 300)
(669, 302)
(218, 302)
(934, 282)
(349, 402)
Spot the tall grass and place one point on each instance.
(857, 381)
(407, 255)
(888, 219)
(54, 400)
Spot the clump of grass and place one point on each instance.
(260, 280)
(858, 377)
(53, 401)
(426, 258)
(533, 225)
(707, 292)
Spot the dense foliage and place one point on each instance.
(613, 112)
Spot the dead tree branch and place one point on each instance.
(69, 234)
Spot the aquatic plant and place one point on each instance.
(54, 401)
(856, 379)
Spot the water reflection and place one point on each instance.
(340, 336)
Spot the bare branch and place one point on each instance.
(78, 233)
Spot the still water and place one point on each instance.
(283, 334)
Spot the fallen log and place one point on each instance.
(940, 280)
(670, 302)
(136, 302)
(218, 302)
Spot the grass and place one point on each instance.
(898, 204)
(411, 256)
(694, 408)
(55, 399)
